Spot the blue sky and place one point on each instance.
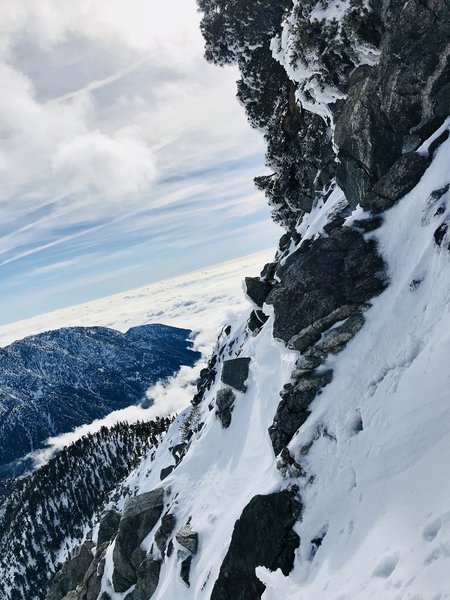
(124, 157)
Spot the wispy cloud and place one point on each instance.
(118, 142)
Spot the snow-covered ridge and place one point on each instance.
(379, 498)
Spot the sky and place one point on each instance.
(125, 158)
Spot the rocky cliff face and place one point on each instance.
(310, 464)
(53, 382)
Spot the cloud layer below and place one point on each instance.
(203, 301)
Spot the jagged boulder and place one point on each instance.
(224, 405)
(401, 178)
(188, 538)
(166, 472)
(331, 341)
(257, 290)
(185, 571)
(331, 272)
(140, 516)
(293, 410)
(108, 526)
(92, 581)
(147, 578)
(72, 573)
(164, 532)
(262, 536)
(235, 373)
(256, 321)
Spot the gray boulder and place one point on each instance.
(166, 472)
(147, 579)
(235, 373)
(293, 410)
(72, 573)
(257, 290)
(140, 516)
(335, 339)
(185, 571)
(322, 277)
(108, 526)
(92, 581)
(312, 334)
(188, 538)
(401, 178)
(224, 406)
(256, 321)
(164, 532)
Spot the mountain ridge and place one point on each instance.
(52, 382)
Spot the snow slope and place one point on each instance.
(374, 486)
(382, 494)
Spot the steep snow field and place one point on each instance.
(376, 487)
(201, 301)
(223, 469)
(381, 494)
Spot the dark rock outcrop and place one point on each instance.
(147, 578)
(164, 532)
(256, 321)
(257, 290)
(340, 270)
(262, 536)
(140, 516)
(224, 406)
(92, 581)
(401, 178)
(72, 573)
(235, 373)
(108, 526)
(394, 106)
(166, 472)
(292, 412)
(185, 571)
(206, 379)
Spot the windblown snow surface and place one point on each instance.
(376, 484)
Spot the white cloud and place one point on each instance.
(112, 125)
(113, 166)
